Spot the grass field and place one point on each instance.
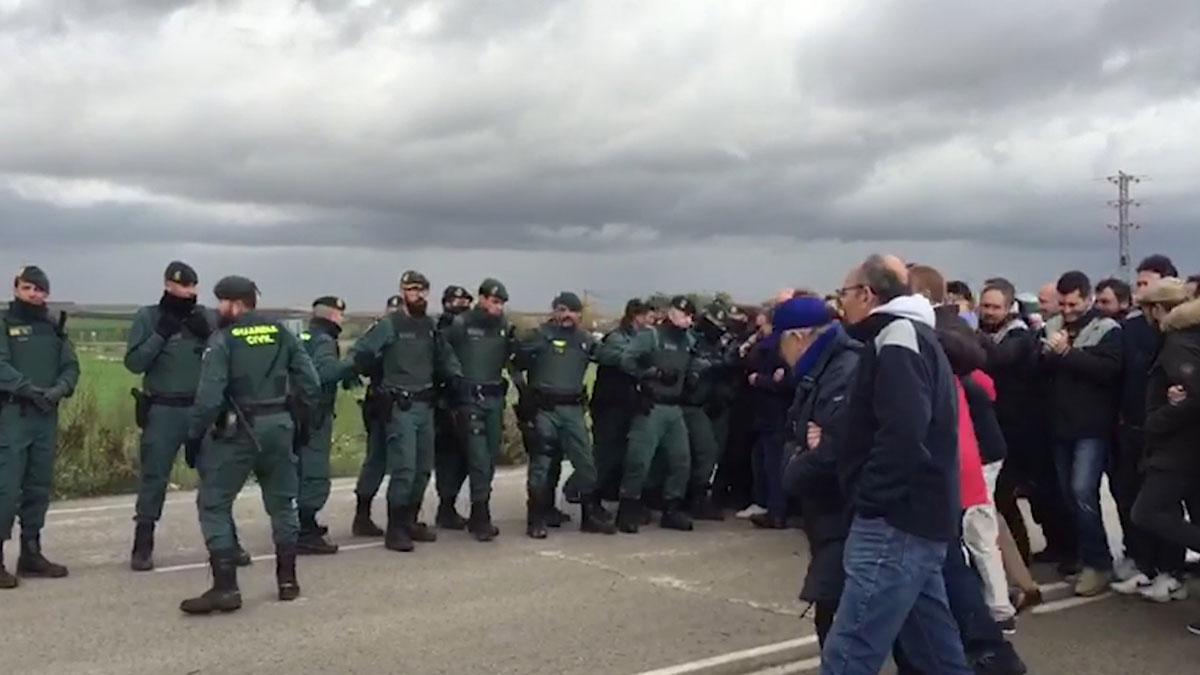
(98, 439)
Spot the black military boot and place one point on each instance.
(593, 517)
(556, 517)
(674, 517)
(7, 580)
(448, 517)
(397, 538)
(224, 595)
(702, 506)
(142, 557)
(240, 557)
(418, 531)
(480, 522)
(629, 516)
(285, 573)
(312, 541)
(31, 562)
(535, 520)
(363, 525)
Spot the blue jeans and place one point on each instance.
(894, 592)
(768, 466)
(1080, 464)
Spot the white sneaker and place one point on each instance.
(1125, 569)
(752, 510)
(1165, 588)
(1132, 585)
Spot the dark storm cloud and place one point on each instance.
(589, 126)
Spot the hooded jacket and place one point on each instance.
(1139, 344)
(1085, 386)
(899, 460)
(1173, 431)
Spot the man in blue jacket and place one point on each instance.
(898, 467)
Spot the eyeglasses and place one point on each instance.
(842, 292)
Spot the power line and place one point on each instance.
(1123, 226)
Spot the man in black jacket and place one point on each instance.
(1146, 556)
(898, 468)
(1172, 461)
(1081, 354)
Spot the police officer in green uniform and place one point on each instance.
(251, 368)
(450, 453)
(374, 466)
(321, 343)
(413, 353)
(612, 399)
(165, 343)
(661, 358)
(38, 369)
(556, 356)
(704, 402)
(483, 341)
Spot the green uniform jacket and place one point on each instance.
(321, 345)
(413, 352)
(710, 385)
(170, 366)
(669, 349)
(484, 345)
(254, 360)
(556, 358)
(34, 353)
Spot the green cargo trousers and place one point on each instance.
(450, 457)
(28, 442)
(224, 466)
(374, 465)
(165, 432)
(564, 434)
(661, 430)
(702, 439)
(409, 454)
(485, 424)
(610, 435)
(313, 467)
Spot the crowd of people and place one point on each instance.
(901, 420)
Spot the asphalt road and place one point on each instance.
(574, 603)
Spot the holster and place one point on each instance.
(643, 402)
(141, 407)
(378, 405)
(301, 422)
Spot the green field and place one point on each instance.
(98, 439)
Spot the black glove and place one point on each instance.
(40, 400)
(364, 363)
(652, 373)
(54, 394)
(191, 450)
(669, 377)
(351, 382)
(168, 324)
(527, 408)
(198, 324)
(691, 380)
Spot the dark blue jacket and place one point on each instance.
(899, 460)
(1139, 344)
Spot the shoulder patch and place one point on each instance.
(899, 333)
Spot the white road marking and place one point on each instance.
(259, 558)
(733, 657)
(1060, 605)
(803, 666)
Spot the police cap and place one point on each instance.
(394, 302)
(492, 288)
(413, 278)
(683, 304)
(181, 273)
(236, 288)
(32, 274)
(569, 300)
(456, 293)
(331, 301)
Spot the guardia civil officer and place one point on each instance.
(38, 369)
(242, 423)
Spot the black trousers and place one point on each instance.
(1159, 511)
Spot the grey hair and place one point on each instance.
(882, 279)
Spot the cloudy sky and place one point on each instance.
(618, 146)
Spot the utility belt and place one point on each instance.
(645, 400)
(143, 401)
(403, 399)
(549, 399)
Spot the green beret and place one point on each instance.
(413, 278)
(494, 289)
(684, 305)
(32, 274)
(236, 288)
(180, 273)
(569, 300)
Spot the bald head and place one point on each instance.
(1048, 299)
(885, 276)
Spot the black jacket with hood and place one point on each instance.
(1173, 431)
